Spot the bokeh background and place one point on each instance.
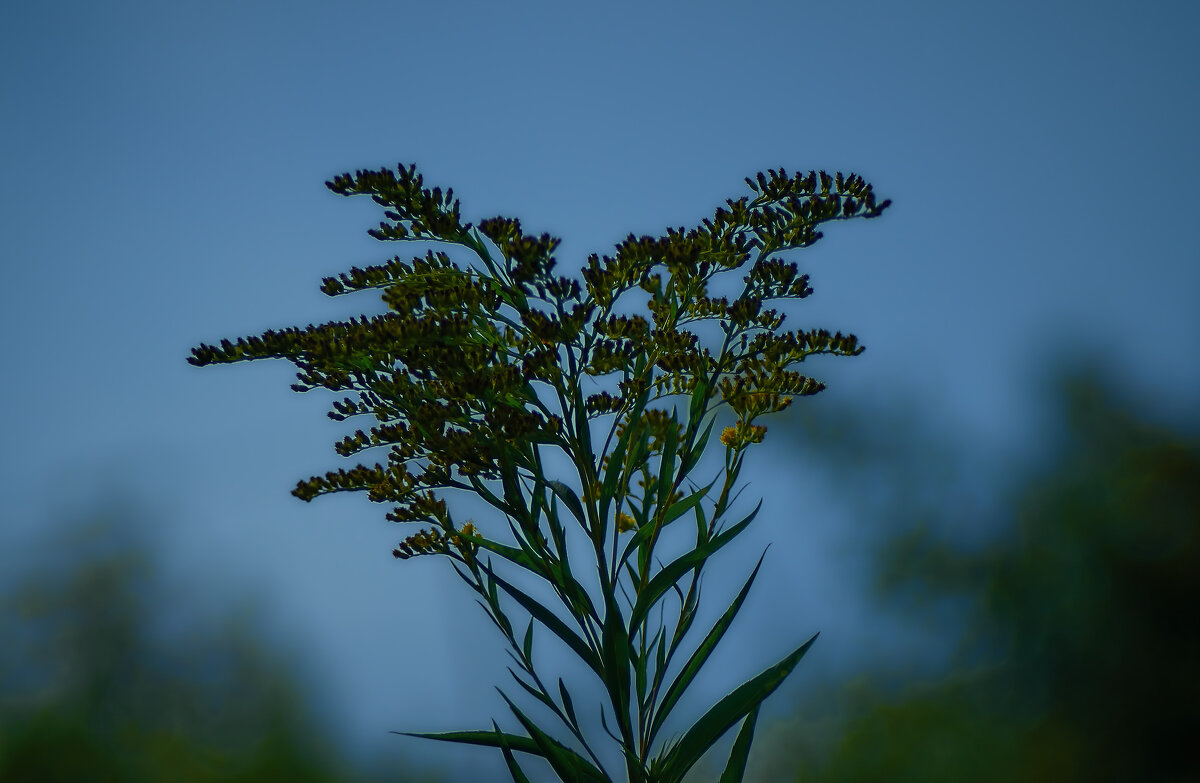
(991, 515)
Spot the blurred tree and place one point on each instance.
(1081, 660)
(92, 688)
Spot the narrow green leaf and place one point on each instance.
(527, 646)
(616, 458)
(511, 554)
(513, 496)
(485, 739)
(477, 242)
(568, 705)
(693, 456)
(639, 672)
(494, 610)
(539, 557)
(581, 602)
(557, 532)
(687, 616)
(570, 499)
(728, 711)
(671, 573)
(568, 764)
(660, 659)
(698, 658)
(615, 640)
(666, 465)
(550, 620)
(514, 769)
(645, 531)
(537, 499)
(559, 569)
(641, 534)
(531, 690)
(685, 505)
(640, 448)
(698, 402)
(607, 730)
(491, 591)
(612, 472)
(735, 769)
(488, 611)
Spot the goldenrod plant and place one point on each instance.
(483, 370)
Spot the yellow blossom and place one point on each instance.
(742, 435)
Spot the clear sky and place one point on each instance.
(163, 167)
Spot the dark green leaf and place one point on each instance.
(486, 739)
(568, 705)
(728, 711)
(527, 646)
(697, 450)
(736, 768)
(640, 662)
(666, 465)
(677, 510)
(511, 554)
(616, 459)
(612, 473)
(560, 568)
(550, 621)
(700, 656)
(615, 640)
(698, 403)
(660, 659)
(514, 769)
(640, 448)
(671, 573)
(570, 499)
(531, 690)
(685, 505)
(514, 498)
(568, 764)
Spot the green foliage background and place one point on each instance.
(93, 689)
(1077, 643)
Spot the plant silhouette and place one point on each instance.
(486, 370)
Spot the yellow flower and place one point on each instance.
(625, 522)
(464, 545)
(742, 435)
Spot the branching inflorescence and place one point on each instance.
(480, 370)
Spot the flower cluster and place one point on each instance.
(431, 542)
(742, 435)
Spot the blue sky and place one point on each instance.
(163, 186)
